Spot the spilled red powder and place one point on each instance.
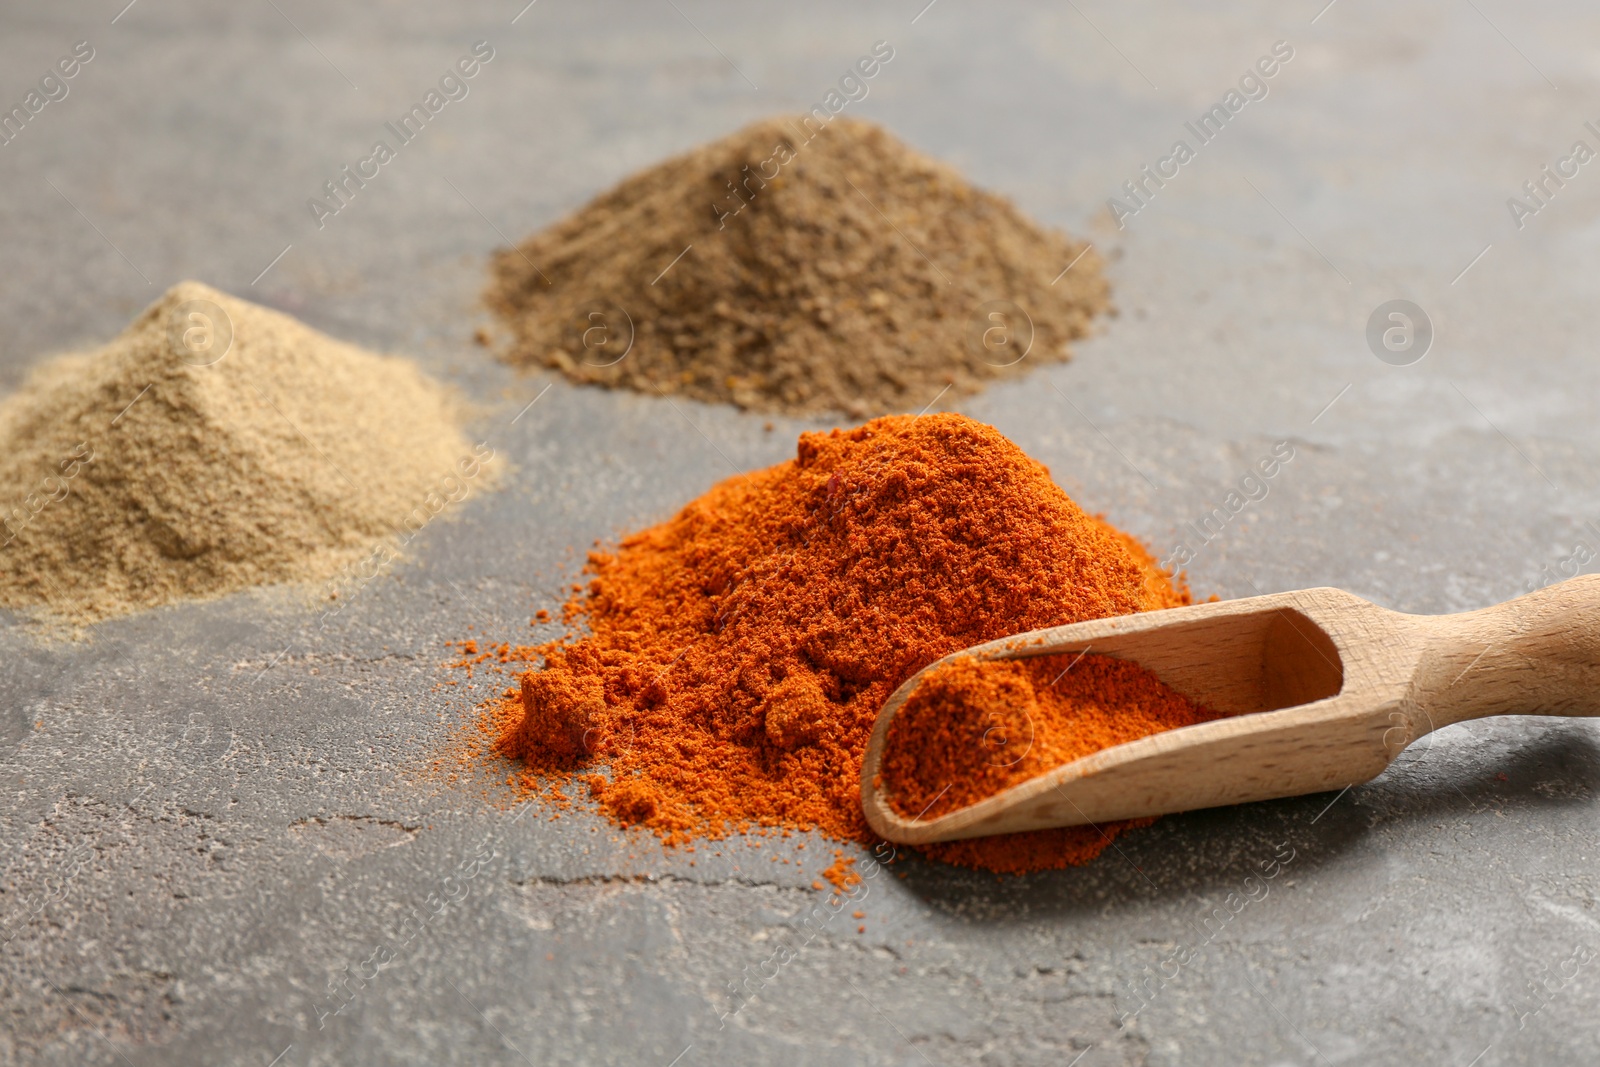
(740, 652)
(972, 728)
(841, 874)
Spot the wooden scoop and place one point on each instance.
(1321, 690)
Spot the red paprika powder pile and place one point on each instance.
(740, 652)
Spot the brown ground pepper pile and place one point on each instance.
(973, 727)
(793, 268)
(740, 651)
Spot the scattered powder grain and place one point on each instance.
(192, 457)
(740, 652)
(842, 873)
(975, 727)
(835, 270)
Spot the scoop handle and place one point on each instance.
(1536, 655)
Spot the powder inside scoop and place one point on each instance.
(974, 727)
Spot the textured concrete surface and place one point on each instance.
(220, 827)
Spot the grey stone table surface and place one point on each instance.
(220, 843)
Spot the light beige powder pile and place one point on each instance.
(212, 446)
